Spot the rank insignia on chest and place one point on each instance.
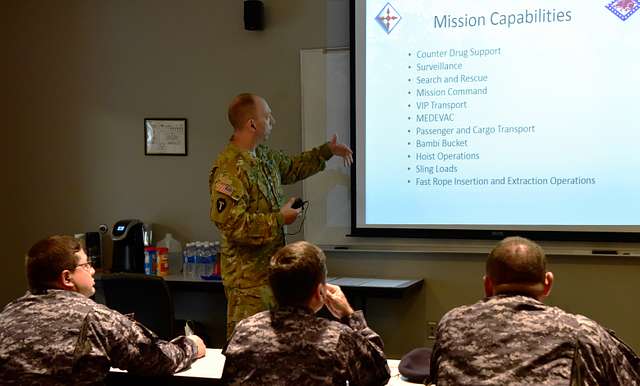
(224, 188)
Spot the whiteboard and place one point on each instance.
(324, 76)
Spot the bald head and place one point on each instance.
(517, 263)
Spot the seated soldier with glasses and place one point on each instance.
(56, 335)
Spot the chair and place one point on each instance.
(146, 297)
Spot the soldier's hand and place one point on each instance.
(341, 150)
(202, 349)
(336, 302)
(288, 213)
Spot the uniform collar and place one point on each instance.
(55, 292)
(513, 297)
(299, 310)
(245, 154)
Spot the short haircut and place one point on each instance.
(48, 258)
(241, 109)
(516, 260)
(295, 271)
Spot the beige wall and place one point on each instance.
(80, 76)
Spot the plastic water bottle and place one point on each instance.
(190, 260)
(186, 266)
(209, 256)
(199, 260)
(175, 253)
(194, 261)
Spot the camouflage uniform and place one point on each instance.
(62, 338)
(517, 340)
(246, 196)
(292, 346)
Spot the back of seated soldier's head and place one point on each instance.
(48, 258)
(517, 265)
(295, 271)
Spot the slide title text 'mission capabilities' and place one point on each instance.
(502, 19)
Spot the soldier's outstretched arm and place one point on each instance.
(229, 211)
(308, 163)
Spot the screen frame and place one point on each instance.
(459, 232)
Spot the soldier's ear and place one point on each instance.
(322, 291)
(317, 300)
(488, 286)
(65, 280)
(548, 283)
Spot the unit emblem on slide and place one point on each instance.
(623, 8)
(388, 18)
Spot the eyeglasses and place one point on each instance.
(86, 266)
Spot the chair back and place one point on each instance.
(146, 297)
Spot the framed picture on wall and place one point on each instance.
(165, 136)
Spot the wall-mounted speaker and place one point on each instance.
(253, 15)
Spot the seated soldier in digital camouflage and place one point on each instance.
(56, 335)
(290, 345)
(512, 338)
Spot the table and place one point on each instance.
(208, 370)
(204, 371)
(203, 301)
(359, 287)
(393, 288)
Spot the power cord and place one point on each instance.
(305, 206)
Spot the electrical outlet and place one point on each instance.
(431, 330)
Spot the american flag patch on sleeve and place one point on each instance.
(224, 188)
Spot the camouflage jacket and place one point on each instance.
(517, 340)
(246, 196)
(292, 346)
(64, 338)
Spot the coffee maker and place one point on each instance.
(129, 239)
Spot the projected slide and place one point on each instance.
(498, 113)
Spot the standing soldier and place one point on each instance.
(248, 204)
